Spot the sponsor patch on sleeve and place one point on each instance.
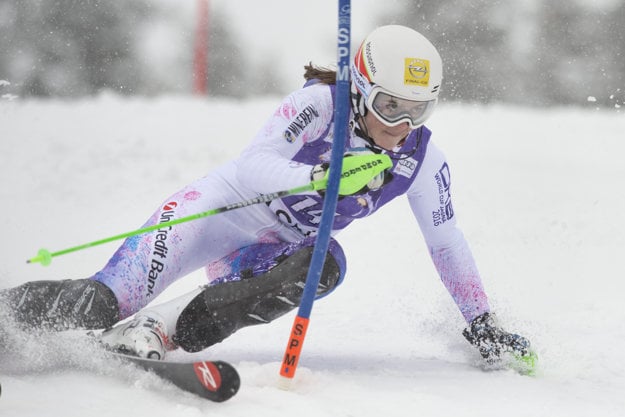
(299, 123)
(445, 211)
(406, 167)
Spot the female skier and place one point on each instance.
(256, 257)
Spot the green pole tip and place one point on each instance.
(528, 364)
(43, 256)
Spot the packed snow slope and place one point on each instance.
(538, 193)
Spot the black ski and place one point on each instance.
(216, 381)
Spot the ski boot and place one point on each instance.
(61, 305)
(144, 336)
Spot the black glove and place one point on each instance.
(492, 341)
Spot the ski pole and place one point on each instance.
(357, 172)
(45, 257)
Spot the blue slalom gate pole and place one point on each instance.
(341, 120)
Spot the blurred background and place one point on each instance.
(530, 52)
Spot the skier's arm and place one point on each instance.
(430, 200)
(303, 117)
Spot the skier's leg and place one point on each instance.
(255, 293)
(145, 265)
(264, 282)
(141, 268)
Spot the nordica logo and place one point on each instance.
(159, 248)
(297, 126)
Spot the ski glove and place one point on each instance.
(376, 182)
(492, 341)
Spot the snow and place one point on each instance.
(537, 191)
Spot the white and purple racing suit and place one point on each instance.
(295, 138)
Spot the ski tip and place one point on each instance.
(216, 381)
(220, 380)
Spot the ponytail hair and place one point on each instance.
(322, 74)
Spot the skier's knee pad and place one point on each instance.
(222, 309)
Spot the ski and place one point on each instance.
(216, 381)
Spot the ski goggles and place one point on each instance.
(392, 110)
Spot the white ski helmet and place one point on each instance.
(396, 74)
